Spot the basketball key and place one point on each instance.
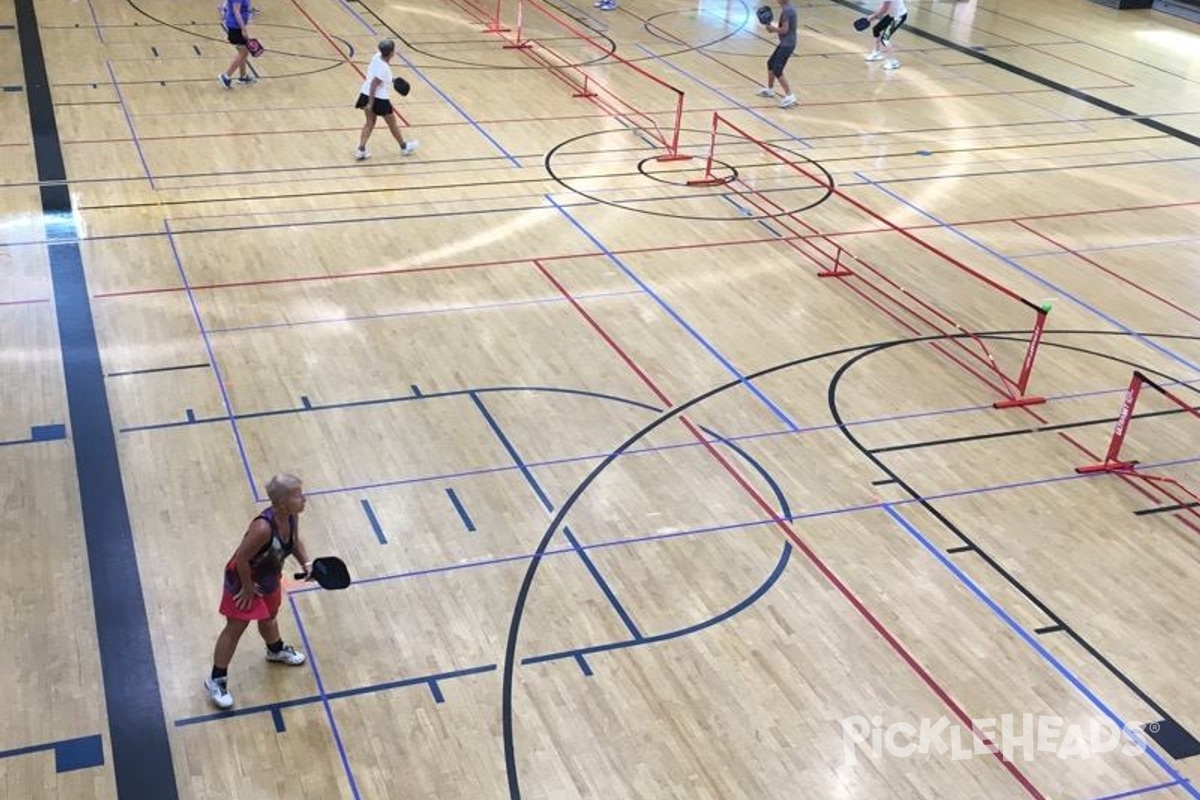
(765, 15)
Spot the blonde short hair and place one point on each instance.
(281, 485)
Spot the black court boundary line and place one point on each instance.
(141, 751)
(1041, 80)
(1057, 622)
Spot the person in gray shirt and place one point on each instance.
(786, 29)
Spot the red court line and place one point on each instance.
(346, 59)
(803, 546)
(730, 243)
(436, 268)
(1108, 271)
(30, 301)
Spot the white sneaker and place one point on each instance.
(788, 101)
(765, 92)
(410, 147)
(361, 154)
(288, 655)
(874, 55)
(218, 695)
(891, 64)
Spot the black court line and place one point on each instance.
(1164, 509)
(977, 437)
(1041, 80)
(1048, 629)
(149, 370)
(137, 729)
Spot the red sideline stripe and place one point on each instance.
(808, 552)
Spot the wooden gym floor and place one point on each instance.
(638, 506)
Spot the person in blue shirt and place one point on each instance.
(786, 30)
(236, 17)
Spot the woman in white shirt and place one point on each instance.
(373, 100)
(891, 16)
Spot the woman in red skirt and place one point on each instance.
(254, 583)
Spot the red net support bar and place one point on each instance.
(580, 78)
(901, 303)
(1112, 459)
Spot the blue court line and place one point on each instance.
(549, 507)
(751, 599)
(83, 752)
(277, 718)
(267, 708)
(629, 273)
(722, 528)
(40, 433)
(375, 526)
(212, 359)
(748, 109)
(422, 312)
(1032, 275)
(129, 121)
(603, 584)
(324, 699)
(131, 697)
(1106, 248)
(583, 664)
(462, 511)
(596, 456)
(371, 30)
(511, 159)
(1138, 792)
(1032, 641)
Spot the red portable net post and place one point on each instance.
(1185, 500)
(1112, 459)
(578, 76)
(907, 307)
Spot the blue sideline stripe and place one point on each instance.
(83, 752)
(137, 728)
(629, 273)
(1032, 641)
(462, 512)
(375, 526)
(1032, 275)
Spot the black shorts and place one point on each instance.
(888, 26)
(380, 107)
(236, 36)
(779, 59)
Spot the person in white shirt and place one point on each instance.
(373, 100)
(890, 15)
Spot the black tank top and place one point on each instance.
(266, 566)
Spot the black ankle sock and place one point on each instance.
(275, 647)
(219, 672)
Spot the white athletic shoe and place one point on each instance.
(288, 655)
(891, 64)
(410, 147)
(361, 154)
(765, 92)
(218, 695)
(874, 55)
(788, 101)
